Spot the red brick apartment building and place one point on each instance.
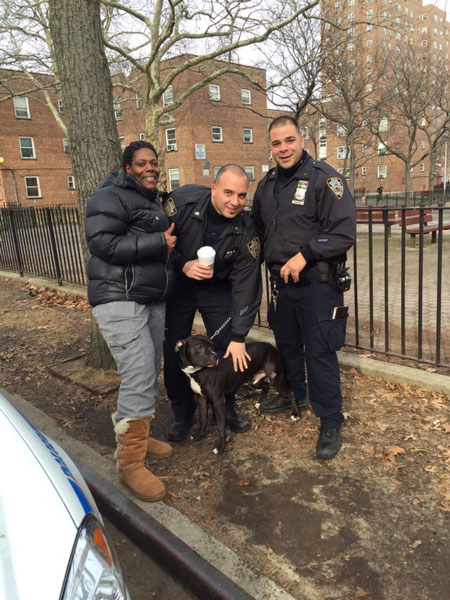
(35, 167)
(225, 121)
(385, 28)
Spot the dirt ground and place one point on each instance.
(373, 523)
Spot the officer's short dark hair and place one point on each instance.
(131, 149)
(284, 120)
(236, 169)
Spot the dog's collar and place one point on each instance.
(191, 369)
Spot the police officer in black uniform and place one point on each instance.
(228, 300)
(306, 217)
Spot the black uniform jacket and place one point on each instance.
(315, 214)
(237, 252)
(124, 231)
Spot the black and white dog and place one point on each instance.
(211, 377)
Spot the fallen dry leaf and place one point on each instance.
(390, 452)
(416, 544)
(243, 482)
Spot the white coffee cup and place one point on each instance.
(206, 256)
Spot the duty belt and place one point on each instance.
(321, 271)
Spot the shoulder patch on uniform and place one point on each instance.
(336, 185)
(254, 247)
(170, 207)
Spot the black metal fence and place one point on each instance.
(43, 241)
(399, 299)
(437, 196)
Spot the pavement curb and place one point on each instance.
(211, 550)
(394, 373)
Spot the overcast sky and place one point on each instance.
(443, 4)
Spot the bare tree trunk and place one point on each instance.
(87, 95)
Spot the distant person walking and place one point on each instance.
(380, 194)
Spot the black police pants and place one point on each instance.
(306, 335)
(213, 300)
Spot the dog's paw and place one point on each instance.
(257, 405)
(295, 418)
(216, 451)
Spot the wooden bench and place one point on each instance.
(377, 216)
(412, 224)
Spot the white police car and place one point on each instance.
(52, 543)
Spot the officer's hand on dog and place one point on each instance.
(293, 267)
(238, 354)
(197, 270)
(171, 240)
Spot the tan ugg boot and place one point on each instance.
(158, 449)
(155, 448)
(132, 435)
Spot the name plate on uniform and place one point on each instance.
(300, 193)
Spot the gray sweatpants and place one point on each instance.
(135, 334)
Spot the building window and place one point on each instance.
(383, 125)
(71, 182)
(216, 171)
(214, 92)
(174, 179)
(382, 171)
(363, 171)
(247, 135)
(122, 142)
(369, 58)
(139, 103)
(142, 136)
(350, 46)
(246, 96)
(305, 133)
(168, 96)
(171, 140)
(66, 145)
(422, 167)
(32, 187)
(250, 173)
(423, 122)
(21, 108)
(341, 131)
(350, 17)
(117, 111)
(216, 134)
(424, 43)
(60, 107)
(364, 148)
(369, 87)
(382, 150)
(26, 147)
(343, 152)
(422, 144)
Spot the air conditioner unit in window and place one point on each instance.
(171, 147)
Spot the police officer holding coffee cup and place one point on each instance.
(217, 257)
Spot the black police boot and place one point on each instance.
(328, 443)
(236, 422)
(179, 429)
(281, 403)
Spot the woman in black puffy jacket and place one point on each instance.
(130, 276)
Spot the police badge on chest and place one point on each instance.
(300, 193)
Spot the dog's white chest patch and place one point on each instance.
(195, 387)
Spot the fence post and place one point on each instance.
(54, 248)
(16, 242)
